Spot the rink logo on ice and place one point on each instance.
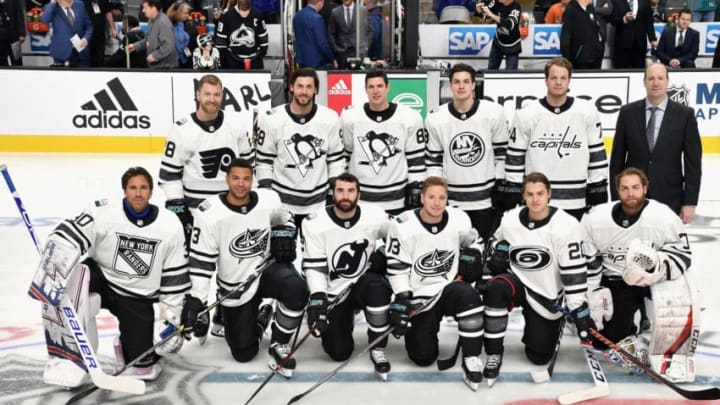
(134, 256)
(467, 148)
(530, 258)
(104, 111)
(250, 243)
(349, 259)
(679, 94)
(378, 148)
(435, 263)
(303, 150)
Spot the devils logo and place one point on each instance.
(349, 259)
(303, 150)
(378, 149)
(435, 263)
(250, 243)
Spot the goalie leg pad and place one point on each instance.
(51, 277)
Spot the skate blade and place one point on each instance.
(490, 382)
(283, 372)
(382, 376)
(473, 385)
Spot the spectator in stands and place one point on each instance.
(341, 32)
(269, 9)
(658, 12)
(555, 13)
(581, 41)
(133, 33)
(102, 20)
(633, 24)
(375, 21)
(603, 13)
(703, 10)
(206, 56)
(178, 14)
(678, 46)
(312, 48)
(441, 4)
(160, 41)
(12, 29)
(70, 23)
(541, 8)
(506, 14)
(242, 37)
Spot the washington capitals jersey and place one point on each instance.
(564, 143)
(423, 258)
(234, 241)
(386, 150)
(299, 153)
(197, 155)
(547, 257)
(468, 149)
(337, 251)
(242, 37)
(138, 258)
(607, 232)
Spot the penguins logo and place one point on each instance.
(250, 243)
(435, 263)
(378, 148)
(303, 150)
(467, 148)
(349, 259)
(530, 258)
(243, 36)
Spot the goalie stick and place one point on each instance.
(20, 206)
(601, 388)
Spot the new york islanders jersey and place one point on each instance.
(196, 155)
(337, 251)
(386, 150)
(564, 143)
(299, 154)
(234, 241)
(468, 149)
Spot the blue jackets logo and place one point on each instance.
(546, 40)
(711, 37)
(469, 40)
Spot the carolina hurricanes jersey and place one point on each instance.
(337, 251)
(197, 156)
(139, 258)
(422, 257)
(299, 153)
(468, 149)
(234, 241)
(547, 257)
(386, 150)
(607, 232)
(564, 143)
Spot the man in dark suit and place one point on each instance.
(341, 32)
(633, 27)
(312, 48)
(678, 47)
(660, 137)
(70, 23)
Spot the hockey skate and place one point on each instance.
(380, 361)
(278, 354)
(492, 368)
(265, 314)
(472, 367)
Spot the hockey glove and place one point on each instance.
(412, 195)
(173, 345)
(191, 318)
(498, 195)
(512, 195)
(583, 322)
(499, 261)
(182, 211)
(400, 314)
(329, 200)
(317, 313)
(601, 306)
(470, 265)
(596, 193)
(282, 244)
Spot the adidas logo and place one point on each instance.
(340, 88)
(111, 114)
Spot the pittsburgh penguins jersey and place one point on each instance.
(468, 149)
(242, 37)
(547, 257)
(386, 150)
(197, 155)
(234, 241)
(564, 143)
(607, 232)
(299, 154)
(422, 257)
(140, 258)
(337, 251)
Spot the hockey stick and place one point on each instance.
(20, 206)
(542, 376)
(601, 388)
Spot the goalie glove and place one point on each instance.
(470, 265)
(601, 306)
(642, 264)
(412, 195)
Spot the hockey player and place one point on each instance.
(242, 37)
(638, 249)
(561, 137)
(134, 256)
(424, 257)
(299, 148)
(340, 253)
(238, 233)
(467, 140)
(536, 262)
(385, 143)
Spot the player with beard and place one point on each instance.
(241, 37)
(339, 248)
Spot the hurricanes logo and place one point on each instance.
(349, 259)
(530, 258)
(243, 36)
(679, 94)
(134, 255)
(250, 243)
(303, 150)
(214, 160)
(378, 149)
(467, 148)
(435, 263)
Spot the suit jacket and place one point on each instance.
(687, 53)
(60, 46)
(342, 36)
(674, 165)
(312, 48)
(580, 35)
(159, 42)
(634, 34)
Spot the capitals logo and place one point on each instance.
(349, 259)
(530, 258)
(214, 160)
(435, 264)
(304, 149)
(467, 148)
(243, 36)
(250, 243)
(679, 94)
(378, 148)
(134, 255)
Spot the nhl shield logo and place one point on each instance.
(378, 148)
(134, 255)
(679, 94)
(467, 149)
(435, 263)
(250, 243)
(349, 259)
(304, 149)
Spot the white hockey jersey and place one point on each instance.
(337, 251)
(547, 257)
(139, 258)
(234, 241)
(299, 154)
(423, 258)
(467, 149)
(385, 150)
(607, 232)
(196, 156)
(564, 143)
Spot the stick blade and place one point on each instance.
(119, 383)
(597, 391)
(540, 376)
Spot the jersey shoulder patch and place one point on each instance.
(181, 122)
(102, 202)
(204, 206)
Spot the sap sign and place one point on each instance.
(469, 40)
(712, 34)
(546, 40)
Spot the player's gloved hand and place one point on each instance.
(283, 244)
(317, 313)
(583, 322)
(512, 195)
(182, 211)
(497, 198)
(400, 314)
(412, 194)
(191, 317)
(499, 261)
(601, 306)
(173, 344)
(265, 183)
(329, 200)
(470, 266)
(596, 193)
